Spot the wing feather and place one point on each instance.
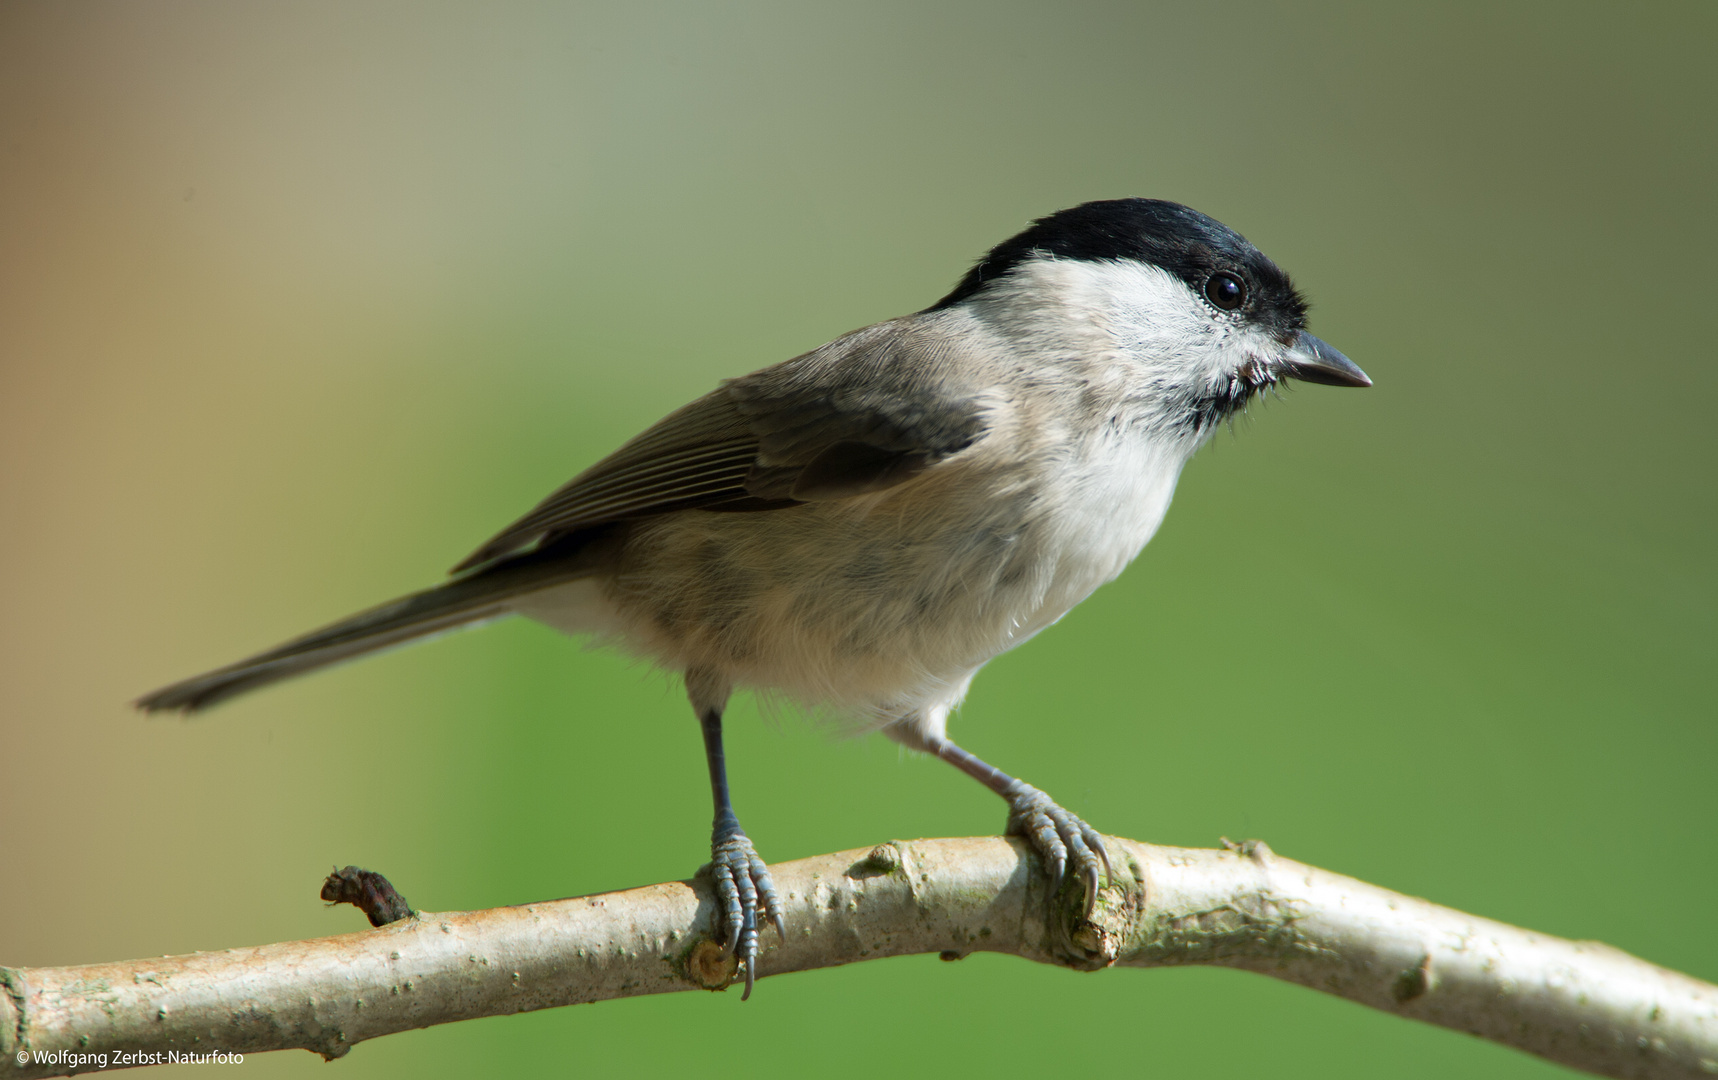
(847, 418)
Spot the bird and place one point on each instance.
(861, 528)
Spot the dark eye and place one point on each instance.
(1225, 290)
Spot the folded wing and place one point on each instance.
(855, 416)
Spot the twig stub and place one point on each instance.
(367, 891)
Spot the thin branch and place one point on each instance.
(1580, 1003)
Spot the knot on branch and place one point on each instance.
(1096, 943)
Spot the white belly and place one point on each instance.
(876, 607)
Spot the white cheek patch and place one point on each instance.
(1167, 329)
(1178, 361)
(1149, 310)
(1149, 318)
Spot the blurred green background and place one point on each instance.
(299, 302)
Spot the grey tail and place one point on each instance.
(470, 599)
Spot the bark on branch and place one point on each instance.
(1580, 1003)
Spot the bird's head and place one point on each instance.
(1198, 318)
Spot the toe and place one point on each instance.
(743, 885)
(1055, 854)
(767, 896)
(728, 897)
(1084, 860)
(1060, 838)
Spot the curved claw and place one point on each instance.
(766, 892)
(1059, 837)
(1096, 843)
(741, 880)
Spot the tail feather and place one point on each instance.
(473, 599)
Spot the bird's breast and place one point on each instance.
(878, 605)
(1099, 508)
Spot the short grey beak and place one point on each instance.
(1311, 360)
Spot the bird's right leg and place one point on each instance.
(1059, 836)
(741, 878)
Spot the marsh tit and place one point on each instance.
(861, 528)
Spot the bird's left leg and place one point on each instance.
(741, 878)
(1058, 835)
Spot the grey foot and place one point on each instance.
(1060, 837)
(742, 880)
